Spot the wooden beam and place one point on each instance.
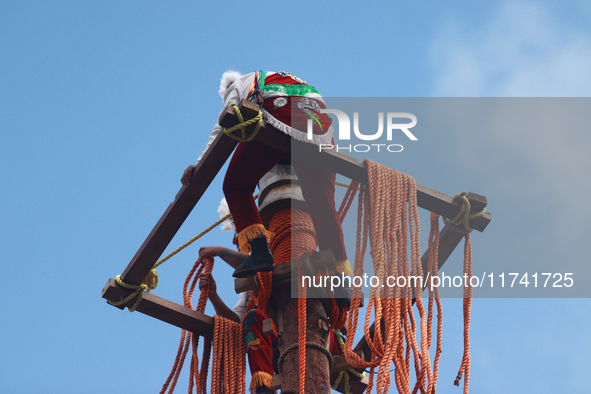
(341, 364)
(268, 326)
(356, 385)
(179, 210)
(276, 382)
(161, 309)
(343, 164)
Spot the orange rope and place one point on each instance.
(200, 266)
(294, 236)
(465, 366)
(227, 340)
(434, 294)
(229, 362)
(302, 323)
(388, 217)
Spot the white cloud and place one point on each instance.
(523, 51)
(520, 51)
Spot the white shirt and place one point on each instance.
(240, 308)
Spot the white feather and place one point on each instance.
(223, 210)
(228, 78)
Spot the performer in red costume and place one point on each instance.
(277, 93)
(259, 347)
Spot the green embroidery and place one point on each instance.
(292, 90)
(249, 319)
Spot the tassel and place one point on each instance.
(250, 233)
(260, 378)
(343, 266)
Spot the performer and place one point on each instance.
(260, 348)
(277, 93)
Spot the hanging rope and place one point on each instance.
(465, 366)
(229, 362)
(294, 236)
(460, 224)
(388, 217)
(434, 295)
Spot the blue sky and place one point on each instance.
(104, 104)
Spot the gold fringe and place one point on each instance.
(260, 378)
(250, 233)
(343, 266)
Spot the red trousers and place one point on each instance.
(259, 349)
(252, 160)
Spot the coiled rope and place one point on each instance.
(391, 196)
(387, 215)
(149, 283)
(228, 362)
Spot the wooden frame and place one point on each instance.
(213, 160)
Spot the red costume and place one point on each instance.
(277, 94)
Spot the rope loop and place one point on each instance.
(243, 125)
(308, 344)
(460, 222)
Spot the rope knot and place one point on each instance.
(149, 283)
(460, 222)
(243, 125)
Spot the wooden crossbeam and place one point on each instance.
(161, 309)
(341, 364)
(343, 164)
(357, 385)
(176, 213)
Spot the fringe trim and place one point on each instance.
(343, 266)
(250, 233)
(260, 378)
(296, 134)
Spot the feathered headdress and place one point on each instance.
(227, 79)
